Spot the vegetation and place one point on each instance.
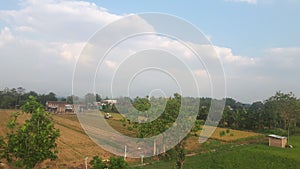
(279, 114)
(279, 111)
(97, 163)
(34, 141)
(246, 156)
(113, 163)
(14, 98)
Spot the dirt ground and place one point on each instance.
(74, 145)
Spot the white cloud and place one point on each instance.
(24, 29)
(110, 64)
(70, 51)
(5, 36)
(201, 73)
(58, 20)
(42, 40)
(277, 69)
(228, 57)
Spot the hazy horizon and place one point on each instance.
(257, 43)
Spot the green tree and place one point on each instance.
(33, 142)
(254, 116)
(98, 98)
(287, 107)
(180, 154)
(97, 163)
(117, 163)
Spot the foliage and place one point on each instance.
(16, 97)
(97, 163)
(31, 106)
(279, 111)
(222, 133)
(117, 163)
(197, 126)
(286, 106)
(34, 141)
(2, 147)
(114, 163)
(244, 156)
(180, 155)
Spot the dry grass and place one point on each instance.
(193, 145)
(74, 144)
(232, 135)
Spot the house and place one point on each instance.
(109, 101)
(58, 107)
(104, 103)
(277, 141)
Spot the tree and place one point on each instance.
(270, 116)
(254, 116)
(33, 142)
(98, 98)
(180, 154)
(287, 107)
(114, 163)
(97, 163)
(117, 163)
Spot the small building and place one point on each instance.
(109, 101)
(277, 141)
(58, 107)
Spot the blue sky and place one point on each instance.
(248, 28)
(258, 40)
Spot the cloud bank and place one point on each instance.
(40, 44)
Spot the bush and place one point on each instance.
(114, 163)
(277, 131)
(222, 133)
(117, 163)
(129, 128)
(97, 163)
(227, 131)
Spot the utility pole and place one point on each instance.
(85, 161)
(125, 153)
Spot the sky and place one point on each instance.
(257, 42)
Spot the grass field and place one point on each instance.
(229, 150)
(250, 156)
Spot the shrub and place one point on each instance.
(222, 133)
(129, 128)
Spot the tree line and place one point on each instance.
(278, 111)
(279, 114)
(281, 111)
(14, 98)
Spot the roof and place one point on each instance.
(276, 136)
(57, 102)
